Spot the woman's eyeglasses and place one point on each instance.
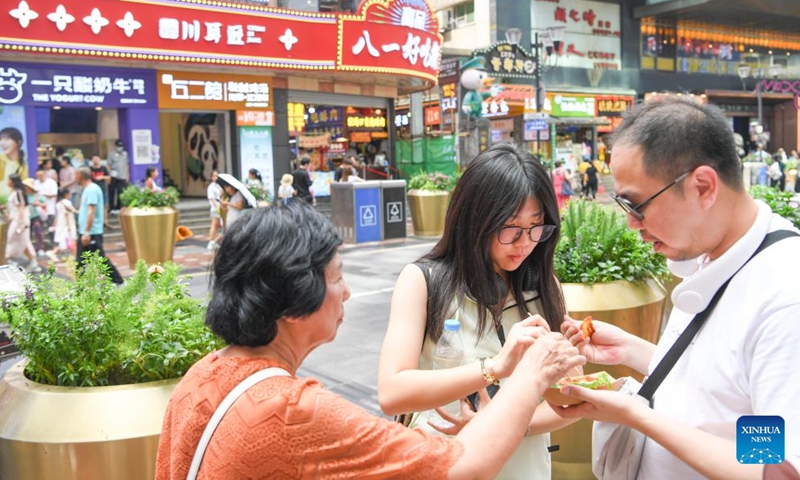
(636, 210)
(537, 233)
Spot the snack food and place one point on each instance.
(595, 381)
(587, 329)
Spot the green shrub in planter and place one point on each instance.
(780, 202)
(89, 332)
(431, 182)
(596, 246)
(136, 197)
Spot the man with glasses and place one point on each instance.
(678, 178)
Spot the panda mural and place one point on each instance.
(203, 140)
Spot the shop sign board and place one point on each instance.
(572, 106)
(506, 96)
(532, 127)
(360, 121)
(255, 118)
(448, 85)
(79, 87)
(592, 35)
(326, 120)
(213, 91)
(432, 116)
(386, 36)
(256, 152)
(613, 105)
(504, 60)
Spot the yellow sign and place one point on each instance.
(366, 122)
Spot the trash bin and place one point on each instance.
(393, 206)
(356, 211)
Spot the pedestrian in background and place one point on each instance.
(66, 233)
(678, 178)
(286, 192)
(561, 184)
(119, 172)
(67, 179)
(101, 177)
(493, 271)
(36, 208)
(18, 242)
(302, 181)
(214, 195)
(90, 222)
(150, 177)
(275, 304)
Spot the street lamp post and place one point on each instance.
(551, 41)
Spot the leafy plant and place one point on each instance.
(432, 182)
(780, 202)
(260, 192)
(136, 197)
(596, 246)
(91, 333)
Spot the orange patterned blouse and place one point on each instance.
(287, 427)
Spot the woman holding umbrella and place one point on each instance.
(239, 197)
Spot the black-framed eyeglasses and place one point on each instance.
(537, 233)
(636, 210)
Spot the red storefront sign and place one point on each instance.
(387, 36)
(432, 116)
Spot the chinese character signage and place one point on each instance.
(79, 87)
(365, 120)
(613, 105)
(572, 106)
(387, 36)
(328, 120)
(592, 31)
(448, 85)
(505, 60)
(432, 116)
(213, 91)
(508, 100)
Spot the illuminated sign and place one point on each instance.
(366, 122)
(213, 91)
(505, 60)
(386, 36)
(432, 116)
(46, 85)
(255, 118)
(613, 105)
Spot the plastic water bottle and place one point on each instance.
(449, 353)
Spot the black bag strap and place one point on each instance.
(662, 370)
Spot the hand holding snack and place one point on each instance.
(552, 356)
(521, 336)
(601, 342)
(594, 381)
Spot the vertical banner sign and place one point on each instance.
(256, 152)
(448, 91)
(142, 147)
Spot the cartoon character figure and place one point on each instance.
(11, 85)
(473, 78)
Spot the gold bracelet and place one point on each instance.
(487, 369)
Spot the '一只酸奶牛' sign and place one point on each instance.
(79, 87)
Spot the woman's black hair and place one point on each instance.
(256, 174)
(492, 189)
(16, 181)
(271, 264)
(16, 136)
(149, 172)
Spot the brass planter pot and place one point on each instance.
(3, 241)
(149, 233)
(86, 433)
(637, 308)
(428, 211)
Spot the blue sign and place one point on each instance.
(534, 125)
(760, 439)
(367, 212)
(78, 87)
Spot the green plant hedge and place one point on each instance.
(596, 246)
(436, 181)
(89, 332)
(780, 202)
(137, 197)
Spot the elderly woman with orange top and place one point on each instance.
(273, 305)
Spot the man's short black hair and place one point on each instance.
(305, 161)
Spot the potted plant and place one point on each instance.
(428, 198)
(607, 271)
(784, 204)
(101, 362)
(262, 195)
(149, 221)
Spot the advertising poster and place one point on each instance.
(321, 185)
(143, 147)
(256, 152)
(204, 150)
(13, 157)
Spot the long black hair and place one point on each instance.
(493, 189)
(16, 181)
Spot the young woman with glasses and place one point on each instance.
(493, 271)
